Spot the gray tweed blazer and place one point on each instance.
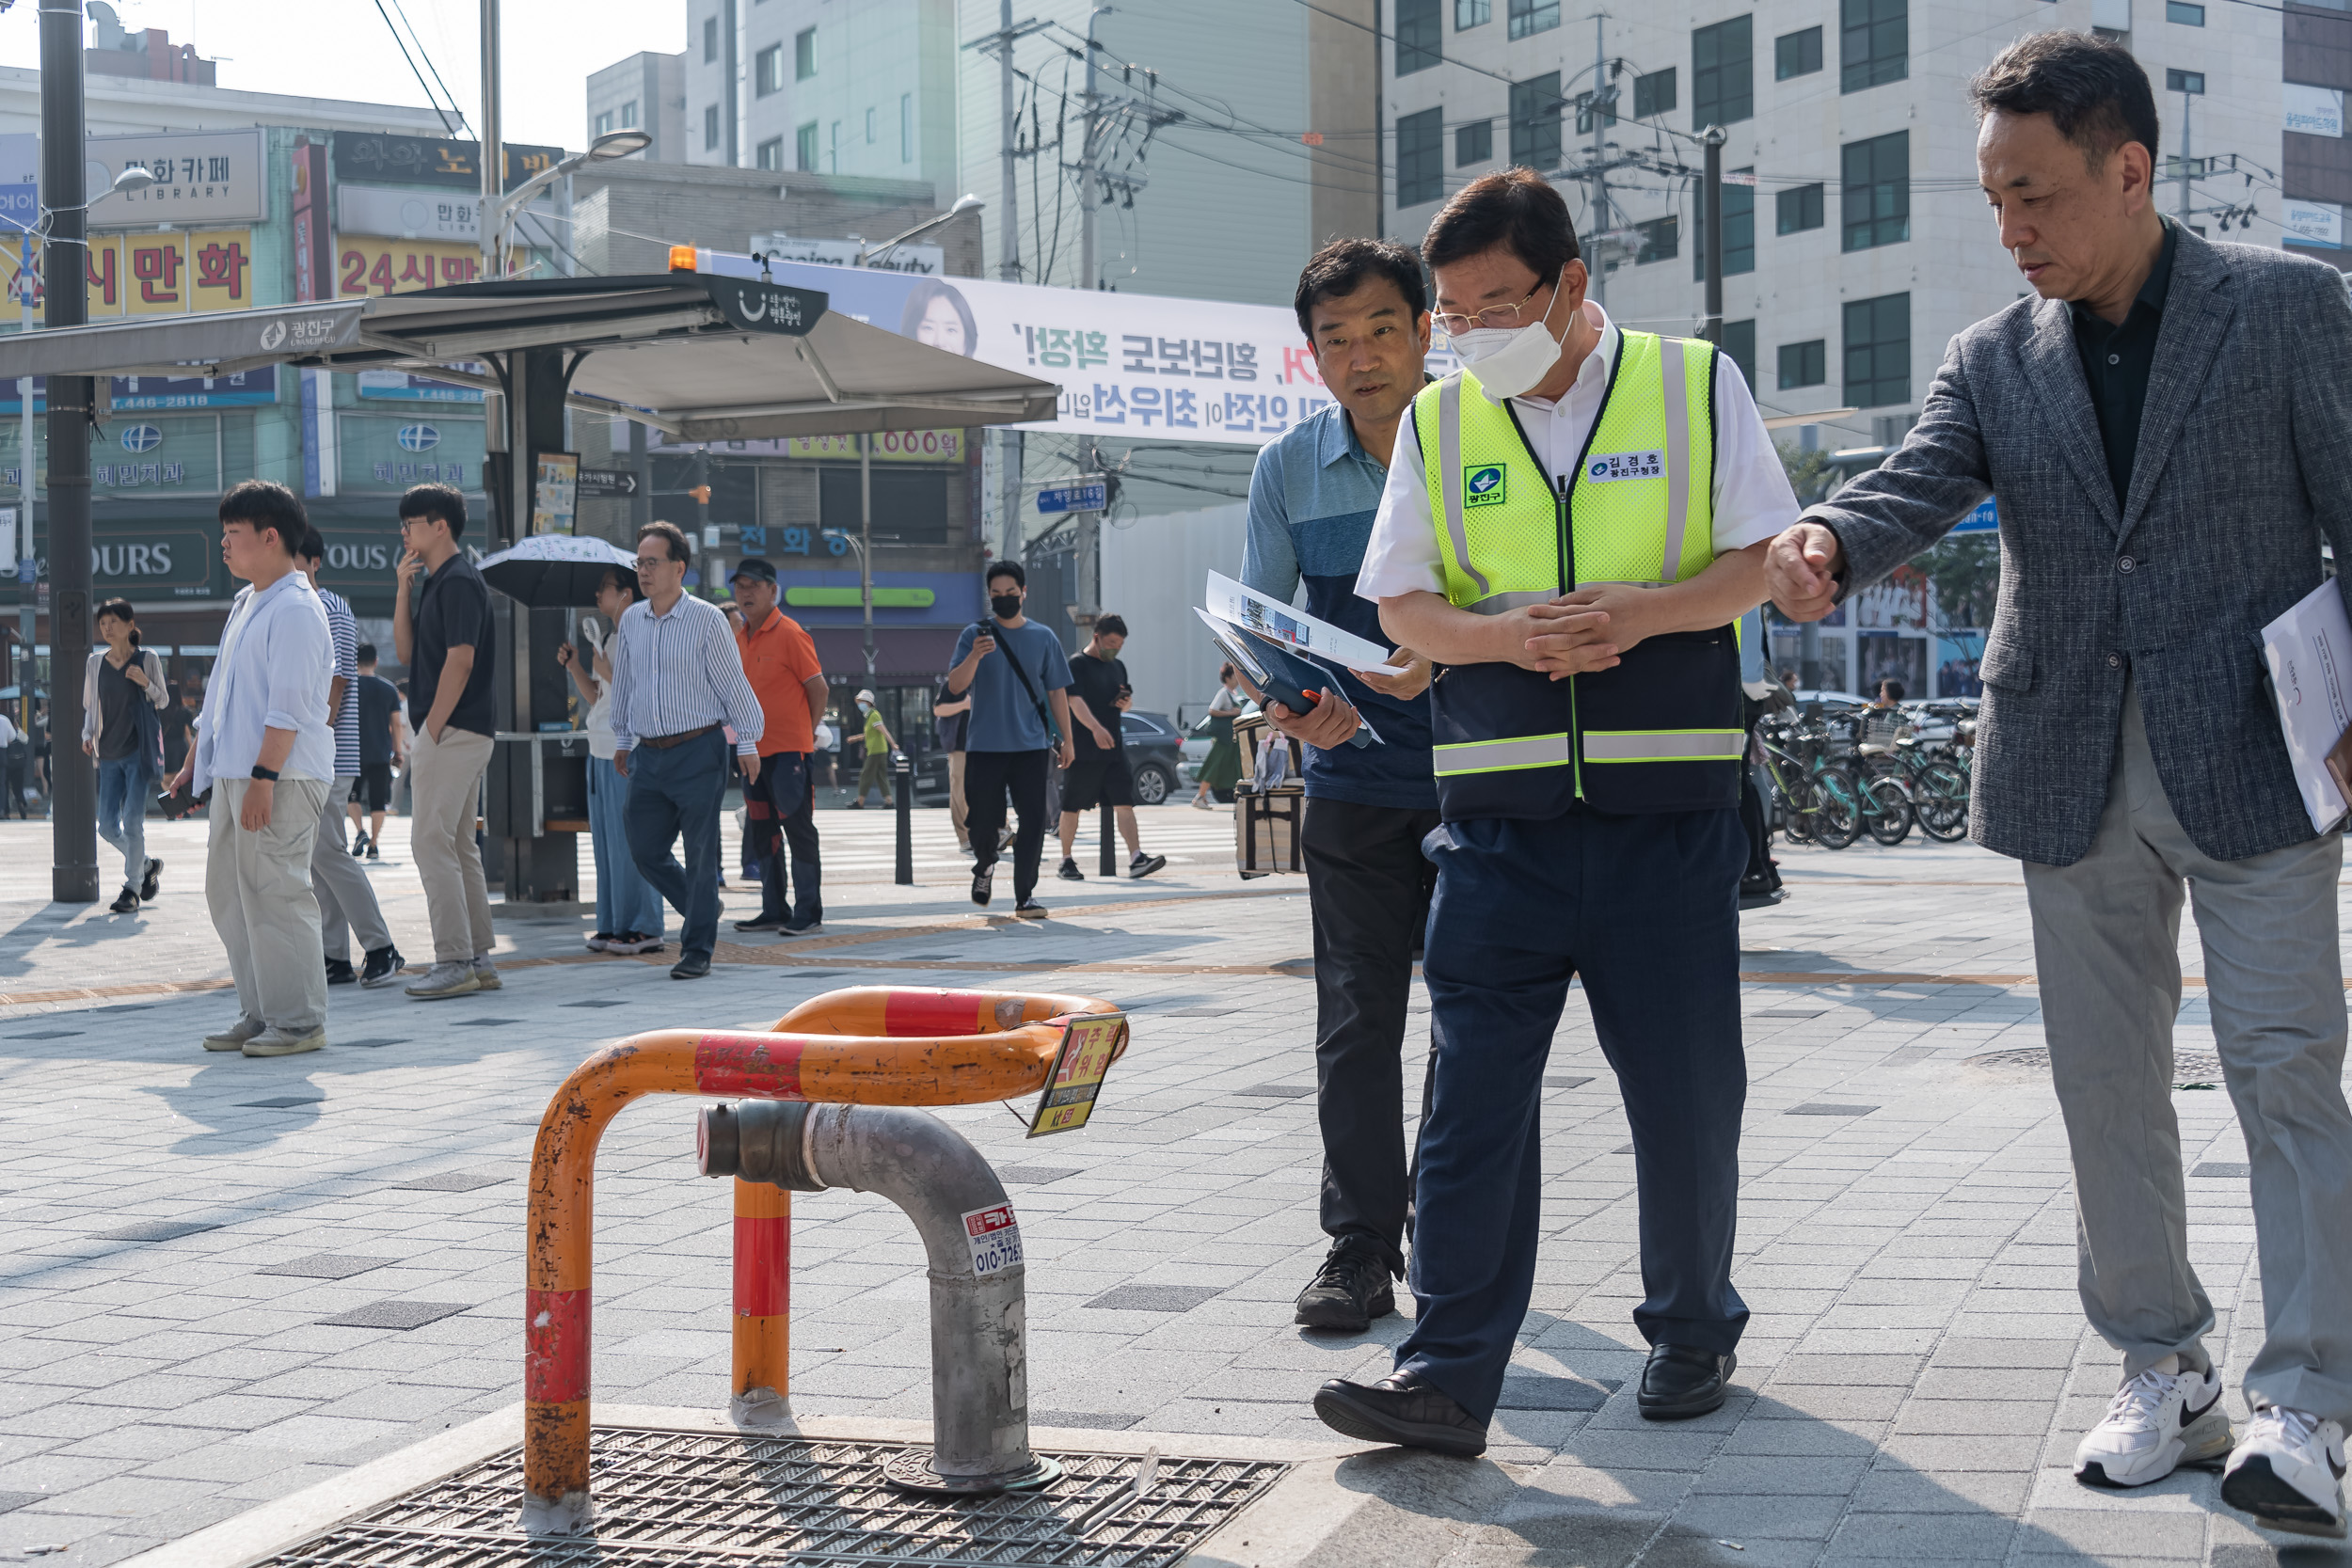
(2244, 469)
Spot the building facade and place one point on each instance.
(1855, 240)
(645, 92)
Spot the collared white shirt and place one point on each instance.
(681, 672)
(1752, 500)
(277, 658)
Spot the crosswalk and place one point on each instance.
(863, 845)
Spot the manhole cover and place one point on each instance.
(2188, 1067)
(670, 1500)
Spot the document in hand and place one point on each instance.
(2308, 651)
(1294, 628)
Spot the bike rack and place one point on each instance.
(866, 1045)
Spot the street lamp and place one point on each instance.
(964, 204)
(866, 581)
(500, 217)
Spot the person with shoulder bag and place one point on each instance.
(122, 691)
(1014, 669)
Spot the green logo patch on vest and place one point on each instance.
(1483, 486)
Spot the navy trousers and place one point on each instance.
(674, 794)
(1644, 909)
(789, 834)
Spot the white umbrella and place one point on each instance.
(554, 571)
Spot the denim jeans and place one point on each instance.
(625, 900)
(673, 794)
(124, 783)
(784, 781)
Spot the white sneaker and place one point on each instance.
(446, 980)
(2157, 1422)
(2288, 1473)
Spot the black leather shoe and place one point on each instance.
(1400, 1409)
(763, 922)
(1682, 1381)
(692, 966)
(1349, 1290)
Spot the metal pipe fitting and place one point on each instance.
(979, 1365)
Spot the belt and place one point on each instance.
(664, 742)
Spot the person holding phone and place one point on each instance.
(1019, 678)
(1099, 693)
(122, 687)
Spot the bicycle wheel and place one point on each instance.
(1795, 801)
(1837, 816)
(1887, 810)
(1941, 801)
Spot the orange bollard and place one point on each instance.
(857, 1047)
(763, 1294)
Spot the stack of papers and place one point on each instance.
(2308, 651)
(1295, 631)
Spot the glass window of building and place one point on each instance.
(2183, 13)
(1654, 94)
(1418, 36)
(1536, 121)
(804, 53)
(906, 127)
(767, 71)
(1473, 13)
(1878, 191)
(1797, 209)
(711, 126)
(1420, 157)
(804, 148)
(1796, 53)
(710, 40)
(1803, 364)
(1529, 17)
(628, 115)
(1739, 346)
(1878, 351)
(1473, 143)
(1874, 43)
(604, 123)
(1722, 73)
(1661, 239)
(771, 153)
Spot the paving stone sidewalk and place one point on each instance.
(222, 1281)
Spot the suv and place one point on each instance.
(1153, 755)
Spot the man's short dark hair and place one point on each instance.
(313, 546)
(1109, 626)
(673, 539)
(1344, 266)
(366, 654)
(261, 504)
(1515, 208)
(2092, 88)
(1891, 689)
(436, 500)
(1007, 568)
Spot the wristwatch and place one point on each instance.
(267, 773)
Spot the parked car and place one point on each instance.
(1153, 755)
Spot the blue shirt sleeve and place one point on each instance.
(963, 650)
(1269, 562)
(1056, 664)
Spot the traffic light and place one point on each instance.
(701, 493)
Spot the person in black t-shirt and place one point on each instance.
(1099, 693)
(379, 754)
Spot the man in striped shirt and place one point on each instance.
(678, 683)
(346, 901)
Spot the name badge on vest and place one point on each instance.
(1483, 486)
(1625, 465)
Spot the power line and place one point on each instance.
(402, 45)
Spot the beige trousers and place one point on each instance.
(258, 887)
(956, 807)
(445, 780)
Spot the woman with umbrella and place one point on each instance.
(628, 911)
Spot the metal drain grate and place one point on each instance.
(670, 1500)
(2188, 1067)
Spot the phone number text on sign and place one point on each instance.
(995, 1238)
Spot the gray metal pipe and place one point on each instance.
(980, 1355)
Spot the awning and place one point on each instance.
(702, 357)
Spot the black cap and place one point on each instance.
(752, 567)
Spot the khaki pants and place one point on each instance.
(346, 901)
(258, 887)
(956, 807)
(445, 778)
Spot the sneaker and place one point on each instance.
(486, 976)
(1030, 908)
(382, 968)
(762, 922)
(2157, 1422)
(633, 942)
(274, 1041)
(1143, 866)
(1405, 1409)
(340, 973)
(1070, 872)
(2288, 1473)
(690, 966)
(234, 1036)
(127, 901)
(372, 854)
(854, 805)
(813, 926)
(359, 843)
(1349, 1290)
(1202, 802)
(983, 883)
(446, 980)
(152, 882)
(598, 943)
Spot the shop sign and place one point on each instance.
(384, 160)
(174, 273)
(201, 176)
(367, 265)
(401, 386)
(378, 453)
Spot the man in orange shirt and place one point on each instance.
(780, 658)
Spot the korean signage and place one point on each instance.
(364, 265)
(888, 446)
(20, 183)
(201, 176)
(2314, 111)
(385, 453)
(410, 214)
(922, 260)
(401, 386)
(171, 274)
(134, 456)
(1136, 365)
(130, 393)
(2318, 223)
(554, 492)
(363, 155)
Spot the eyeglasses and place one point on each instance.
(1454, 322)
(649, 563)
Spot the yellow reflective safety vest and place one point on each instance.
(1662, 731)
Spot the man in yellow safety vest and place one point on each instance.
(1572, 524)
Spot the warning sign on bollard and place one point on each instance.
(995, 1238)
(1087, 1048)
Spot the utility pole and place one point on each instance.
(73, 776)
(2184, 163)
(1007, 208)
(1599, 266)
(1087, 203)
(27, 563)
(866, 545)
(493, 158)
(1711, 220)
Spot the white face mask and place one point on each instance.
(1511, 360)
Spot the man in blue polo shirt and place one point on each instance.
(1365, 307)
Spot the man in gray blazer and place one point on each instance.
(2168, 430)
